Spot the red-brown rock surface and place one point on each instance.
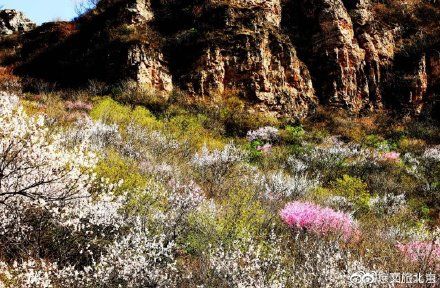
(283, 57)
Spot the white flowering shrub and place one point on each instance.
(432, 153)
(137, 259)
(29, 273)
(39, 180)
(141, 142)
(48, 212)
(182, 200)
(297, 165)
(312, 263)
(247, 264)
(321, 263)
(96, 133)
(213, 167)
(388, 203)
(340, 203)
(280, 185)
(34, 164)
(264, 134)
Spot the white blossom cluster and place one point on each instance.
(388, 203)
(318, 263)
(340, 203)
(138, 259)
(279, 185)
(141, 142)
(96, 133)
(432, 153)
(214, 166)
(218, 159)
(266, 134)
(246, 264)
(324, 264)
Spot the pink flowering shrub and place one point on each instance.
(78, 105)
(391, 156)
(265, 148)
(318, 220)
(417, 251)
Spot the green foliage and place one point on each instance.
(190, 128)
(353, 189)
(378, 142)
(108, 110)
(254, 154)
(120, 170)
(419, 207)
(293, 134)
(375, 141)
(242, 215)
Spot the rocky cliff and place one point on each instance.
(283, 57)
(12, 21)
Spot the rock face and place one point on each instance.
(12, 21)
(247, 53)
(145, 62)
(346, 54)
(282, 57)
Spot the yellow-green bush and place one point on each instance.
(239, 215)
(352, 188)
(118, 169)
(242, 215)
(108, 110)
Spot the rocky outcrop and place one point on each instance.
(378, 44)
(148, 67)
(345, 52)
(247, 53)
(432, 101)
(12, 21)
(418, 86)
(423, 90)
(113, 44)
(144, 61)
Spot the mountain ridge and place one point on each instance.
(282, 57)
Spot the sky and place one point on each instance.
(41, 11)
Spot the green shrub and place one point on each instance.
(242, 215)
(293, 134)
(420, 208)
(108, 110)
(190, 128)
(118, 169)
(353, 189)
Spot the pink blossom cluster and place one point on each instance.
(391, 156)
(420, 251)
(265, 148)
(318, 220)
(78, 105)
